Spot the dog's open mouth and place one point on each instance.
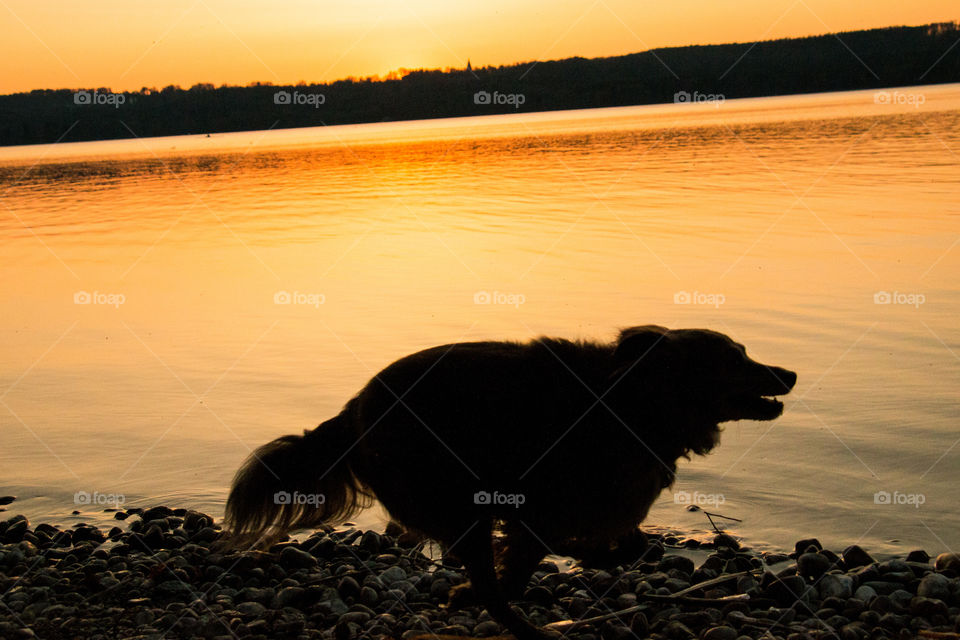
(760, 402)
(751, 407)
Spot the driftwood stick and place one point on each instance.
(718, 515)
(712, 582)
(566, 625)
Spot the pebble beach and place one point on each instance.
(166, 573)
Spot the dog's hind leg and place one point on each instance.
(521, 552)
(475, 550)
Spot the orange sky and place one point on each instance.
(128, 44)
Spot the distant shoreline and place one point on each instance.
(859, 60)
(345, 134)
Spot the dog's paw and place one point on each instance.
(461, 596)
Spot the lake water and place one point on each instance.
(145, 352)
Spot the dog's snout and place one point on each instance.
(785, 377)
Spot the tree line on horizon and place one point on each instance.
(870, 59)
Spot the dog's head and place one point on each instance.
(696, 379)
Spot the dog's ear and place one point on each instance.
(639, 352)
(638, 342)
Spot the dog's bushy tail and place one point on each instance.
(296, 482)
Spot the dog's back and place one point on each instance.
(524, 423)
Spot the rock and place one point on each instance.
(675, 584)
(346, 630)
(251, 609)
(153, 538)
(348, 587)
(722, 632)
(934, 585)
(174, 589)
(853, 557)
(892, 621)
(453, 630)
(918, 555)
(703, 574)
(16, 527)
(804, 545)
(927, 607)
(786, 590)
(854, 631)
(395, 595)
(195, 520)
(678, 631)
(775, 558)
(143, 617)
(639, 625)
(834, 585)
(948, 562)
(681, 563)
(486, 628)
(865, 593)
(894, 565)
(290, 596)
(359, 617)
(204, 535)
(882, 604)
(901, 598)
(258, 627)
(539, 595)
(369, 596)
(297, 558)
(5, 500)
(626, 600)
(725, 540)
(601, 581)
(812, 565)
(440, 589)
(370, 541)
(883, 588)
(693, 619)
(393, 574)
(153, 513)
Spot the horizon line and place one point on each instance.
(401, 72)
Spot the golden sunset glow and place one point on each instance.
(128, 45)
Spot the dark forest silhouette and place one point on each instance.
(895, 56)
